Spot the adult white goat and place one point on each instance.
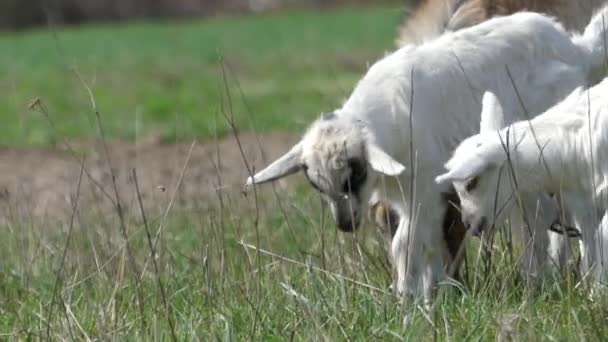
(561, 151)
(431, 18)
(412, 108)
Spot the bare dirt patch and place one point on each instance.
(42, 183)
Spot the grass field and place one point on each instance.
(89, 275)
(318, 284)
(164, 78)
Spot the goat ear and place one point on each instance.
(381, 162)
(464, 169)
(289, 163)
(492, 115)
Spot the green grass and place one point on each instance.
(163, 78)
(320, 284)
(217, 289)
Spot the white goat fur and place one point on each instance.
(431, 18)
(573, 137)
(450, 76)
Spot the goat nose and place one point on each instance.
(466, 220)
(348, 222)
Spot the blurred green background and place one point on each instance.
(155, 77)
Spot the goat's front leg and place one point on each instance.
(580, 211)
(559, 251)
(603, 248)
(418, 248)
(542, 252)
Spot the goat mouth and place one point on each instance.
(348, 225)
(481, 227)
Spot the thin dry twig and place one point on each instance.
(159, 281)
(38, 105)
(63, 256)
(118, 204)
(170, 205)
(315, 268)
(229, 117)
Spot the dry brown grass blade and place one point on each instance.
(63, 256)
(159, 281)
(118, 204)
(169, 206)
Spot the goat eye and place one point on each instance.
(346, 187)
(358, 174)
(472, 184)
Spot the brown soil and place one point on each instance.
(42, 183)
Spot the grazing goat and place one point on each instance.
(431, 18)
(413, 107)
(562, 151)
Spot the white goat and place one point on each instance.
(431, 18)
(381, 127)
(561, 151)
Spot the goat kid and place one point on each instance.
(429, 20)
(362, 147)
(561, 151)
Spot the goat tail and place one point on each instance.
(594, 40)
